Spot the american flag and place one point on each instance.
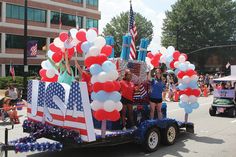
(12, 71)
(133, 33)
(32, 48)
(61, 105)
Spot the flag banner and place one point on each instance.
(59, 104)
(32, 48)
(12, 71)
(133, 32)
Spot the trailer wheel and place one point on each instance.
(232, 112)
(212, 111)
(152, 140)
(169, 134)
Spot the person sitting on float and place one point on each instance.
(66, 73)
(157, 87)
(127, 92)
(10, 109)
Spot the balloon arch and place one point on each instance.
(106, 97)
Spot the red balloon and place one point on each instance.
(71, 51)
(57, 57)
(154, 62)
(53, 48)
(102, 58)
(63, 36)
(190, 72)
(107, 50)
(89, 61)
(157, 57)
(100, 115)
(97, 86)
(109, 86)
(188, 91)
(42, 72)
(81, 35)
(176, 55)
(196, 92)
(78, 48)
(172, 64)
(181, 74)
(150, 55)
(113, 116)
(117, 85)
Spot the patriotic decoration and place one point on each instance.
(63, 105)
(12, 71)
(32, 48)
(133, 33)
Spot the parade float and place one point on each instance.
(64, 113)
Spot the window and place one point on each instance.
(66, 19)
(91, 23)
(17, 41)
(17, 12)
(77, 1)
(92, 3)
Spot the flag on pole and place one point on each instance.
(227, 65)
(12, 71)
(60, 21)
(133, 33)
(32, 48)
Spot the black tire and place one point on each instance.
(152, 140)
(232, 112)
(212, 111)
(169, 134)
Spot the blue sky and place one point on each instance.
(153, 10)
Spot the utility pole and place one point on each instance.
(24, 95)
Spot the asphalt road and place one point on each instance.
(214, 136)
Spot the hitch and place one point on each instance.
(6, 147)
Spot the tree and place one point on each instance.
(197, 24)
(119, 27)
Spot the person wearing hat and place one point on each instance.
(10, 110)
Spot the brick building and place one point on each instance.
(43, 26)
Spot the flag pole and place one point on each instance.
(130, 2)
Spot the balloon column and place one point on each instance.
(110, 41)
(125, 47)
(106, 98)
(143, 49)
(185, 72)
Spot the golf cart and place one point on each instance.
(224, 99)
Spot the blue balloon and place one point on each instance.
(108, 66)
(182, 104)
(193, 85)
(115, 96)
(101, 96)
(195, 105)
(169, 59)
(85, 47)
(176, 71)
(95, 69)
(188, 109)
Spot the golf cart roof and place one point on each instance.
(227, 78)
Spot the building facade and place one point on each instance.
(43, 26)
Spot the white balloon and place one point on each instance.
(176, 64)
(191, 66)
(50, 54)
(182, 59)
(194, 78)
(163, 59)
(119, 106)
(113, 75)
(93, 51)
(109, 106)
(102, 77)
(91, 35)
(163, 50)
(100, 42)
(96, 105)
(170, 50)
(186, 79)
(73, 32)
(94, 79)
(184, 98)
(58, 43)
(50, 73)
(192, 99)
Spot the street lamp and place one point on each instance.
(24, 94)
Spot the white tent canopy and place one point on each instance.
(227, 78)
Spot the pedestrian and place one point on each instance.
(157, 88)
